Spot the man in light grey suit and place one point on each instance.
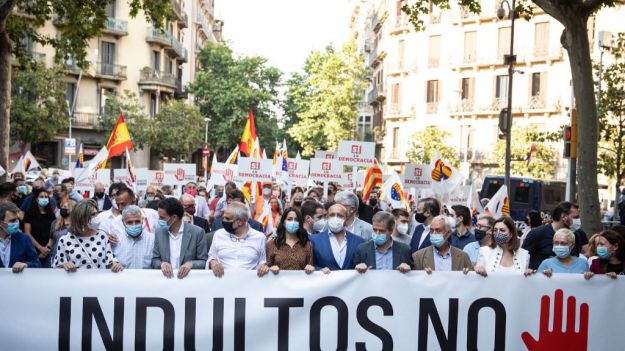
(177, 245)
(353, 224)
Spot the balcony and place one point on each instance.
(110, 71)
(185, 56)
(397, 69)
(435, 17)
(431, 108)
(400, 26)
(181, 15)
(537, 102)
(181, 91)
(116, 27)
(149, 79)
(463, 107)
(204, 26)
(372, 96)
(157, 36)
(84, 120)
(176, 48)
(542, 54)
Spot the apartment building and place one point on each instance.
(130, 55)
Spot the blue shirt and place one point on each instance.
(473, 250)
(384, 260)
(579, 265)
(442, 263)
(5, 252)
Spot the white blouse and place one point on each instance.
(89, 252)
(490, 259)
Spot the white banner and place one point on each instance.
(298, 171)
(417, 176)
(254, 169)
(142, 178)
(344, 310)
(325, 170)
(179, 173)
(325, 154)
(356, 153)
(102, 176)
(460, 196)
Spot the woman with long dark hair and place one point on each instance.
(37, 221)
(291, 249)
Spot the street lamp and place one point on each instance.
(510, 60)
(204, 153)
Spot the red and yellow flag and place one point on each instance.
(373, 178)
(119, 140)
(248, 139)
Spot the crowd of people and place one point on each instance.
(50, 225)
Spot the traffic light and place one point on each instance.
(567, 141)
(570, 137)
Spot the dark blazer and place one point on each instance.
(322, 251)
(416, 237)
(202, 223)
(22, 250)
(193, 247)
(218, 224)
(107, 202)
(425, 258)
(365, 253)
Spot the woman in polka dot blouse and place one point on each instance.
(84, 246)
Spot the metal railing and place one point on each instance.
(111, 70)
(155, 35)
(204, 24)
(431, 107)
(151, 76)
(115, 25)
(85, 120)
(179, 12)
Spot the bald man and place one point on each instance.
(188, 202)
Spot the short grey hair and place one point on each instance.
(567, 233)
(347, 199)
(384, 218)
(239, 211)
(7, 206)
(186, 196)
(447, 220)
(131, 211)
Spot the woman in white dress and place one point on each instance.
(504, 254)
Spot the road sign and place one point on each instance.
(70, 146)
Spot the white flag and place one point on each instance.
(445, 177)
(499, 205)
(26, 163)
(94, 164)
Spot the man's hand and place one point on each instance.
(69, 267)
(274, 269)
(611, 275)
(404, 267)
(262, 270)
(217, 268)
(113, 239)
(481, 271)
(361, 268)
(309, 269)
(184, 270)
(18, 267)
(588, 275)
(167, 270)
(117, 267)
(465, 270)
(326, 270)
(428, 270)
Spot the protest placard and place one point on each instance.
(356, 153)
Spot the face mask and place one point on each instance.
(229, 227)
(379, 239)
(275, 193)
(64, 212)
(454, 225)
(373, 202)
(220, 194)
(163, 224)
(603, 253)
(437, 240)
(134, 230)
(99, 195)
(190, 210)
(22, 189)
(192, 192)
(114, 204)
(336, 224)
(297, 203)
(13, 228)
(94, 224)
(479, 234)
(266, 191)
(419, 217)
(501, 238)
(576, 225)
(562, 251)
(291, 226)
(320, 225)
(402, 228)
(150, 198)
(43, 202)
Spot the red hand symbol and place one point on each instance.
(556, 339)
(180, 174)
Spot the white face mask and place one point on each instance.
(94, 224)
(402, 228)
(114, 204)
(577, 224)
(335, 224)
(320, 225)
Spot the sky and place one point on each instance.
(284, 31)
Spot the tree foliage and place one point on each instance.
(226, 87)
(39, 109)
(138, 122)
(176, 129)
(325, 98)
(425, 143)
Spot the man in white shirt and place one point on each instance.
(236, 245)
(107, 218)
(135, 245)
(126, 197)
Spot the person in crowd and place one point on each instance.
(297, 199)
(539, 242)
(590, 252)
(222, 202)
(332, 190)
(334, 248)
(177, 245)
(8, 192)
(204, 194)
(237, 245)
(167, 191)
(201, 206)
(37, 184)
(277, 193)
(263, 200)
(235, 195)
(276, 210)
(610, 248)
(504, 253)
(134, 248)
(402, 224)
(382, 252)
(106, 219)
(60, 226)
(84, 246)
(22, 191)
(150, 194)
(440, 255)
(314, 217)
(62, 195)
(563, 262)
(427, 209)
(101, 198)
(365, 211)
(313, 194)
(16, 248)
(533, 220)
(37, 222)
(483, 237)
(291, 249)
(189, 203)
(73, 194)
(461, 236)
(353, 224)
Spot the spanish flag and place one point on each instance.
(119, 140)
(373, 178)
(248, 139)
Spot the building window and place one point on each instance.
(538, 90)
(401, 47)
(70, 93)
(535, 84)
(396, 98)
(156, 60)
(110, 8)
(365, 128)
(153, 105)
(435, 51)
(503, 47)
(466, 89)
(168, 65)
(470, 40)
(395, 142)
(432, 91)
(103, 96)
(107, 58)
(501, 87)
(541, 39)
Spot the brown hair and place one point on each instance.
(60, 223)
(514, 243)
(592, 247)
(81, 216)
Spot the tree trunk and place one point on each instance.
(5, 98)
(577, 45)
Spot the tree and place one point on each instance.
(77, 21)
(326, 97)
(573, 15)
(38, 99)
(612, 117)
(292, 106)
(226, 87)
(174, 131)
(426, 142)
(530, 157)
(138, 122)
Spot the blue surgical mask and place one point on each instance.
(562, 251)
(134, 230)
(22, 189)
(379, 238)
(603, 253)
(13, 228)
(291, 226)
(43, 202)
(437, 240)
(163, 224)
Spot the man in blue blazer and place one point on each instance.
(16, 248)
(334, 248)
(427, 209)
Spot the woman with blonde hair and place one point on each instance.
(60, 226)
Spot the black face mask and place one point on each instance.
(373, 202)
(64, 213)
(228, 226)
(479, 234)
(99, 195)
(297, 203)
(420, 217)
